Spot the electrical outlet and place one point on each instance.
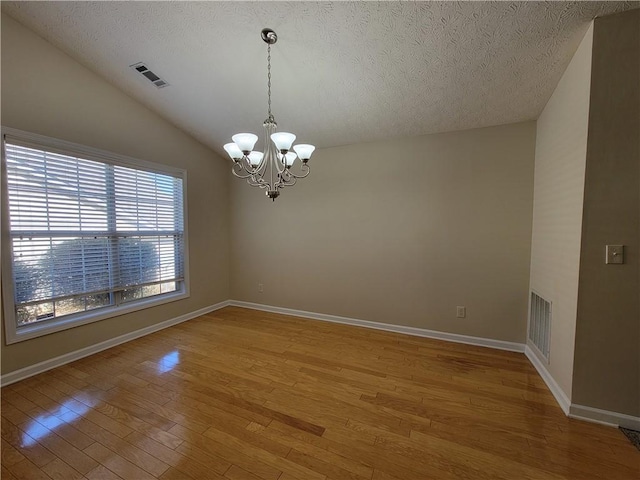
(461, 312)
(260, 288)
(615, 254)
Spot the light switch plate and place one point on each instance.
(615, 254)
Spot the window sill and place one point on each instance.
(18, 334)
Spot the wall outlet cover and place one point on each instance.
(615, 254)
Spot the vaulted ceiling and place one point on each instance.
(343, 72)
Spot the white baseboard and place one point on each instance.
(38, 368)
(604, 417)
(557, 392)
(581, 412)
(418, 332)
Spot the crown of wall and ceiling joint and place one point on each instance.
(143, 70)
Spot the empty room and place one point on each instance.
(320, 240)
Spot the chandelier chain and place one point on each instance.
(269, 78)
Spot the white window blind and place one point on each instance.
(87, 234)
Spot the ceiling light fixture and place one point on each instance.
(271, 170)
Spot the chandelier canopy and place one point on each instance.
(271, 170)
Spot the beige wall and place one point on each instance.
(398, 232)
(44, 91)
(561, 149)
(607, 362)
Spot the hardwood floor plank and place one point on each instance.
(345, 442)
(79, 409)
(245, 395)
(378, 475)
(180, 464)
(5, 474)
(206, 410)
(175, 474)
(208, 450)
(125, 449)
(102, 473)
(10, 456)
(64, 430)
(58, 470)
(236, 473)
(25, 470)
(195, 420)
(248, 436)
(116, 463)
(319, 466)
(25, 444)
(274, 455)
(68, 453)
(304, 449)
(13, 414)
(16, 399)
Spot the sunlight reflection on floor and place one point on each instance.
(169, 361)
(42, 425)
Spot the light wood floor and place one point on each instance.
(241, 394)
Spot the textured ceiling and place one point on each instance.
(344, 72)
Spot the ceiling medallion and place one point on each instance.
(271, 170)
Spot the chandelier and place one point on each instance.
(271, 170)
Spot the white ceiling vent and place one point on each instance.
(143, 70)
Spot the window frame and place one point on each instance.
(14, 333)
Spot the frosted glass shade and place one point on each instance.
(304, 151)
(283, 140)
(255, 158)
(234, 152)
(245, 141)
(289, 158)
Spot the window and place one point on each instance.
(89, 235)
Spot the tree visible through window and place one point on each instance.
(89, 234)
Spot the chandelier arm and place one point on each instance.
(240, 176)
(256, 180)
(239, 167)
(257, 183)
(246, 165)
(258, 175)
(280, 164)
(283, 179)
(238, 171)
(259, 170)
(289, 182)
(286, 179)
(304, 168)
(273, 181)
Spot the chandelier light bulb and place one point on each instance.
(234, 151)
(255, 158)
(245, 141)
(283, 141)
(304, 151)
(289, 158)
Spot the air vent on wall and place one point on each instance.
(540, 324)
(143, 70)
